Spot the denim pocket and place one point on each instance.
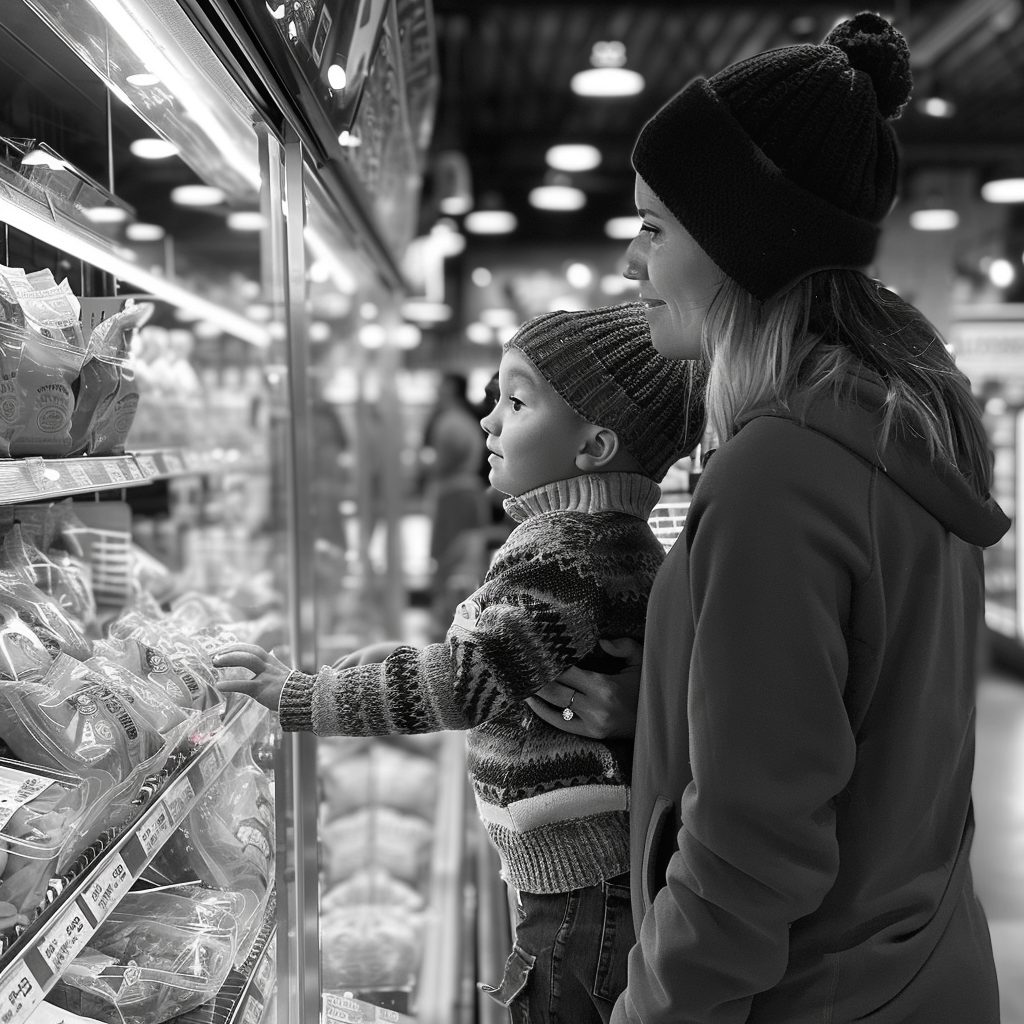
(617, 938)
(517, 973)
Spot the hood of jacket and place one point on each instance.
(855, 423)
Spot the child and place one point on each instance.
(588, 418)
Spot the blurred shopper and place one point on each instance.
(801, 804)
(589, 418)
(453, 447)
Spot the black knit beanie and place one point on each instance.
(785, 163)
(604, 366)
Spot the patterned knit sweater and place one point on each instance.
(577, 568)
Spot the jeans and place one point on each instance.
(568, 962)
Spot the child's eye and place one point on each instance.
(515, 403)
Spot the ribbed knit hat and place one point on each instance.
(785, 163)
(602, 363)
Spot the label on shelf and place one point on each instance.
(173, 462)
(350, 1010)
(114, 472)
(78, 475)
(253, 1011)
(178, 797)
(147, 464)
(154, 831)
(65, 937)
(20, 994)
(106, 889)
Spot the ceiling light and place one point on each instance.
(481, 277)
(498, 316)
(573, 157)
(934, 220)
(608, 76)
(616, 284)
(106, 214)
(621, 228)
(447, 239)
(1001, 273)
(336, 77)
(425, 311)
(407, 336)
(490, 222)
(372, 335)
(455, 206)
(936, 106)
(1003, 190)
(197, 195)
(579, 275)
(153, 149)
(557, 197)
(479, 333)
(144, 232)
(246, 220)
(319, 331)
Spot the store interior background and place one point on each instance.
(447, 287)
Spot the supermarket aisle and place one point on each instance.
(998, 854)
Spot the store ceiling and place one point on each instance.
(505, 97)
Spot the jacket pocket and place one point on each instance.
(652, 877)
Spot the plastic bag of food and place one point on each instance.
(159, 954)
(370, 948)
(383, 775)
(227, 841)
(372, 886)
(23, 655)
(73, 720)
(44, 615)
(397, 842)
(12, 344)
(44, 815)
(55, 574)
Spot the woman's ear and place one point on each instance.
(600, 446)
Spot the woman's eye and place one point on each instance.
(649, 228)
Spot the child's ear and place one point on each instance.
(599, 448)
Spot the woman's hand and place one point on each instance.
(269, 673)
(603, 707)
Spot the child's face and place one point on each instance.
(533, 436)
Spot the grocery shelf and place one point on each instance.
(36, 960)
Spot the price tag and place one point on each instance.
(177, 798)
(64, 938)
(78, 475)
(148, 465)
(253, 1012)
(193, 460)
(106, 890)
(382, 1013)
(131, 468)
(153, 833)
(173, 463)
(264, 976)
(115, 472)
(20, 994)
(46, 476)
(341, 1009)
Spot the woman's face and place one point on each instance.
(678, 280)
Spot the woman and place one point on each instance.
(801, 804)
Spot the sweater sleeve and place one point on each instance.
(537, 612)
(774, 559)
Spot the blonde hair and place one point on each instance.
(813, 337)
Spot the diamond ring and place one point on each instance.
(567, 712)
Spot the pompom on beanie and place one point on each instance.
(603, 365)
(785, 163)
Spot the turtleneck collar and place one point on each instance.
(632, 493)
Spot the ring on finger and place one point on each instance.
(567, 712)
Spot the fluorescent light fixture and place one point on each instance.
(934, 220)
(573, 157)
(153, 149)
(1001, 273)
(336, 77)
(106, 214)
(498, 316)
(621, 228)
(144, 232)
(246, 220)
(197, 195)
(479, 333)
(1003, 190)
(557, 197)
(607, 82)
(426, 312)
(936, 106)
(143, 79)
(490, 222)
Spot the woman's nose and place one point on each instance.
(636, 267)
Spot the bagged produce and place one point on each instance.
(159, 954)
(44, 815)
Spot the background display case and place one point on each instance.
(221, 516)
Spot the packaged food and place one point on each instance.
(397, 842)
(159, 954)
(370, 948)
(383, 775)
(52, 311)
(12, 344)
(372, 886)
(227, 841)
(44, 814)
(44, 615)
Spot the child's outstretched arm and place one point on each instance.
(269, 673)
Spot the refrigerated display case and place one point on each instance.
(212, 517)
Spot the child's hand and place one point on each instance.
(269, 673)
